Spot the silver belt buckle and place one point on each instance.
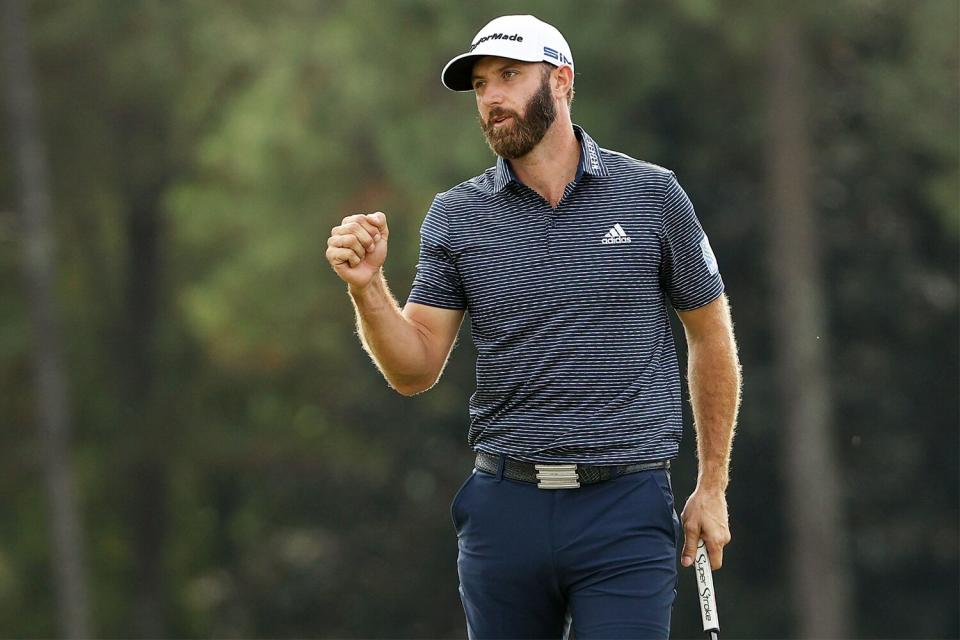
(557, 476)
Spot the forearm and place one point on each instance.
(394, 343)
(714, 380)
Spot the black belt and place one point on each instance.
(560, 476)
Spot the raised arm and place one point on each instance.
(714, 379)
(409, 346)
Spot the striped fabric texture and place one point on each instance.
(568, 307)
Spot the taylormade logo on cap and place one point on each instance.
(496, 36)
(522, 38)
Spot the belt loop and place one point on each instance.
(501, 462)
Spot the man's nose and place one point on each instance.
(492, 97)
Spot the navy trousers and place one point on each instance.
(604, 554)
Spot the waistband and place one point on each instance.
(560, 476)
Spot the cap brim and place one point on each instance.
(458, 74)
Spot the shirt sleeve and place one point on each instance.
(437, 282)
(689, 272)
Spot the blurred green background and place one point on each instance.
(237, 465)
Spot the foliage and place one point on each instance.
(303, 497)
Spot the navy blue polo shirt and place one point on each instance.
(569, 306)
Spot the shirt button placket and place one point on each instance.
(550, 225)
(553, 215)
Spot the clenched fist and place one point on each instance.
(358, 247)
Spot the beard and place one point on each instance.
(518, 138)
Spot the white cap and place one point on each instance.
(517, 37)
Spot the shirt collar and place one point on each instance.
(590, 162)
(590, 159)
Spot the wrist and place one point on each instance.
(712, 487)
(713, 478)
(367, 293)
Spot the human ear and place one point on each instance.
(564, 80)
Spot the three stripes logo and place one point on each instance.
(616, 235)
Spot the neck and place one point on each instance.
(552, 164)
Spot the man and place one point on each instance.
(566, 255)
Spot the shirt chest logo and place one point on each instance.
(616, 235)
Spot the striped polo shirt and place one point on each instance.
(568, 307)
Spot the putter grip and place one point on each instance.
(705, 592)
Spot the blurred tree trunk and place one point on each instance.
(815, 550)
(50, 388)
(142, 413)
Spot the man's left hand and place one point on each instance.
(705, 516)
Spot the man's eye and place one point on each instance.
(509, 74)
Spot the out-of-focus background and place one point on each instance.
(193, 443)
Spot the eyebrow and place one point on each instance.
(512, 63)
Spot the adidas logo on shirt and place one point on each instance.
(616, 235)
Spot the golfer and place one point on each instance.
(567, 257)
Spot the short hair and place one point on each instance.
(546, 69)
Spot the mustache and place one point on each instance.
(498, 112)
